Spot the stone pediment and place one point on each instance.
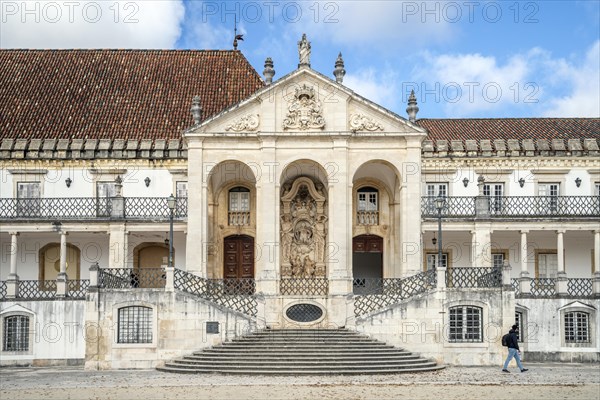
(306, 103)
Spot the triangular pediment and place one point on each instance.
(306, 102)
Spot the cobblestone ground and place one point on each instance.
(542, 381)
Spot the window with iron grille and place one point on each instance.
(465, 324)
(577, 327)
(16, 333)
(135, 325)
(519, 323)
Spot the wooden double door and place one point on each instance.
(238, 257)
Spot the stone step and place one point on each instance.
(301, 356)
(389, 370)
(301, 363)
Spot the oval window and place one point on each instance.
(304, 312)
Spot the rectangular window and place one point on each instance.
(367, 201)
(548, 197)
(577, 328)
(436, 189)
(135, 325)
(495, 191)
(465, 324)
(497, 260)
(28, 199)
(547, 265)
(181, 189)
(597, 189)
(432, 260)
(16, 333)
(239, 201)
(104, 191)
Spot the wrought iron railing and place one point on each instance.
(516, 207)
(239, 218)
(542, 287)
(37, 290)
(373, 294)
(76, 289)
(579, 287)
(516, 285)
(304, 286)
(473, 277)
(236, 294)
(86, 208)
(367, 217)
(3, 290)
(125, 278)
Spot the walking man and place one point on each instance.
(513, 350)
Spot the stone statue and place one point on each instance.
(287, 236)
(304, 51)
(320, 235)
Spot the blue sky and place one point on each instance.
(473, 59)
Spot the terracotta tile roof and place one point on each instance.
(125, 94)
(511, 128)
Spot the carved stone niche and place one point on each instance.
(303, 230)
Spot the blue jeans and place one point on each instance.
(513, 353)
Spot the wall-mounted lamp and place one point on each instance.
(434, 240)
(522, 182)
(118, 180)
(167, 239)
(466, 181)
(578, 181)
(147, 180)
(68, 181)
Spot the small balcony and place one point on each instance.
(239, 218)
(367, 217)
(91, 208)
(517, 207)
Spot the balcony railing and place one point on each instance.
(91, 208)
(514, 207)
(237, 218)
(367, 217)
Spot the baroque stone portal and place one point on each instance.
(303, 230)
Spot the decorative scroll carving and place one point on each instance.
(360, 122)
(248, 122)
(303, 230)
(304, 111)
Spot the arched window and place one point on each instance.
(466, 324)
(239, 206)
(16, 333)
(367, 206)
(135, 325)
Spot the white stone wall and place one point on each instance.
(57, 334)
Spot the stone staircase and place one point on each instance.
(302, 352)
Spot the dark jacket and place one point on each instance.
(513, 342)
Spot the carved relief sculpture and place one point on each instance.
(303, 230)
(304, 111)
(360, 122)
(248, 122)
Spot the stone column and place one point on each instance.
(117, 249)
(195, 250)
(561, 276)
(12, 283)
(61, 279)
(339, 267)
(411, 256)
(524, 280)
(169, 275)
(481, 250)
(94, 279)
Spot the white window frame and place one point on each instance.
(431, 258)
(576, 327)
(30, 203)
(495, 192)
(238, 200)
(465, 331)
(180, 187)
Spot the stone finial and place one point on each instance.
(339, 70)
(412, 108)
(196, 110)
(269, 72)
(304, 52)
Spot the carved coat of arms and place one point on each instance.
(304, 111)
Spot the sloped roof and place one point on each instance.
(511, 128)
(116, 94)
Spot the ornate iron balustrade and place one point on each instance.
(125, 278)
(473, 277)
(89, 208)
(374, 294)
(367, 217)
(543, 287)
(579, 287)
(3, 290)
(37, 290)
(236, 294)
(237, 218)
(515, 283)
(516, 207)
(304, 286)
(77, 289)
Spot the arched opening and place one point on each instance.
(148, 259)
(49, 264)
(367, 263)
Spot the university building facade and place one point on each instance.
(285, 204)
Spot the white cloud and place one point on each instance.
(584, 82)
(90, 24)
(377, 86)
